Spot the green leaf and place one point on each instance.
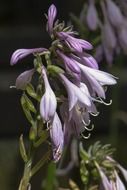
(31, 92)
(33, 133)
(22, 149)
(43, 137)
(53, 69)
(29, 104)
(83, 154)
(26, 110)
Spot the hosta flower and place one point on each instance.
(119, 184)
(122, 36)
(21, 53)
(73, 43)
(75, 94)
(105, 181)
(57, 137)
(69, 62)
(51, 17)
(48, 102)
(114, 14)
(24, 78)
(107, 33)
(92, 17)
(85, 59)
(95, 79)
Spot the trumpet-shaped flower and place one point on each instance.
(75, 94)
(57, 137)
(85, 59)
(92, 17)
(114, 14)
(95, 79)
(48, 102)
(21, 53)
(24, 78)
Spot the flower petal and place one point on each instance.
(24, 78)
(57, 138)
(21, 53)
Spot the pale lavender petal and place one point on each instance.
(21, 53)
(123, 171)
(52, 12)
(99, 53)
(75, 94)
(119, 183)
(101, 76)
(92, 17)
(122, 35)
(48, 102)
(93, 85)
(24, 78)
(106, 183)
(57, 138)
(85, 59)
(114, 14)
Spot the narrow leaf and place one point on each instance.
(22, 149)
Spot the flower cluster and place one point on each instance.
(112, 25)
(66, 104)
(98, 166)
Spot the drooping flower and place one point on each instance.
(107, 33)
(95, 79)
(92, 17)
(57, 137)
(52, 12)
(73, 43)
(48, 102)
(105, 181)
(85, 59)
(75, 94)
(24, 78)
(114, 14)
(69, 62)
(122, 36)
(118, 183)
(21, 53)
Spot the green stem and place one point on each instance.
(25, 181)
(38, 166)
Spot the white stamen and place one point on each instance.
(86, 137)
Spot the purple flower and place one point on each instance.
(48, 102)
(51, 17)
(114, 14)
(95, 79)
(57, 138)
(85, 59)
(75, 94)
(69, 62)
(105, 181)
(73, 43)
(118, 183)
(24, 78)
(21, 53)
(92, 17)
(122, 35)
(108, 33)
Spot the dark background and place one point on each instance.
(22, 25)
